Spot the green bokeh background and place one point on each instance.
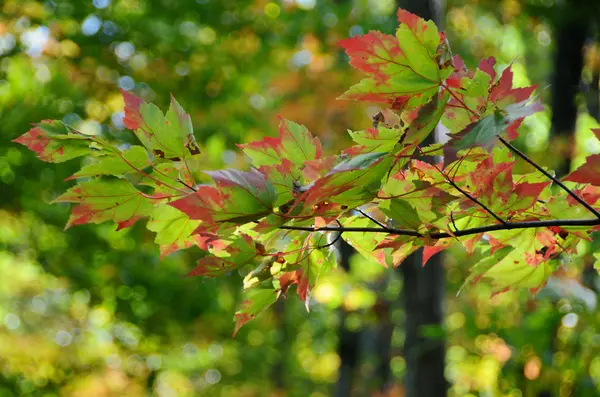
(94, 312)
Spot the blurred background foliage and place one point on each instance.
(94, 312)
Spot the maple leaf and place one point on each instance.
(227, 255)
(116, 163)
(365, 243)
(101, 200)
(427, 118)
(350, 183)
(412, 202)
(55, 142)
(524, 195)
(475, 96)
(393, 250)
(588, 172)
(170, 136)
(173, 230)
(508, 269)
(169, 179)
(377, 139)
(482, 133)
(491, 180)
(239, 197)
(294, 144)
(503, 93)
(308, 257)
(403, 70)
(283, 177)
(431, 250)
(255, 301)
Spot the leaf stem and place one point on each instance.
(550, 176)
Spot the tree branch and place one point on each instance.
(547, 174)
(458, 233)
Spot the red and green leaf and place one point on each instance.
(294, 144)
(174, 230)
(169, 136)
(254, 302)
(106, 200)
(403, 71)
(239, 197)
(55, 142)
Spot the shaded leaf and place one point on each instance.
(351, 183)
(482, 133)
(227, 255)
(255, 301)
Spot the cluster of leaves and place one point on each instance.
(388, 195)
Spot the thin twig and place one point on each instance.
(335, 240)
(186, 185)
(547, 174)
(384, 227)
(453, 223)
(459, 233)
(467, 194)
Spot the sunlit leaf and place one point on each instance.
(103, 200)
(55, 142)
(239, 197)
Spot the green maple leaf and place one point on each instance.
(402, 213)
(254, 301)
(132, 160)
(173, 229)
(377, 139)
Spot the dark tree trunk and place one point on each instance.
(348, 340)
(423, 291)
(571, 27)
(570, 33)
(424, 346)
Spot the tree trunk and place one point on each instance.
(424, 346)
(571, 27)
(348, 340)
(423, 292)
(570, 32)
